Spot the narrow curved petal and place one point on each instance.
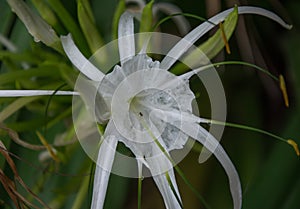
(265, 13)
(165, 189)
(126, 37)
(170, 9)
(205, 138)
(156, 165)
(29, 93)
(182, 46)
(104, 164)
(79, 61)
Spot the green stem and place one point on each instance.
(234, 125)
(180, 14)
(140, 192)
(176, 71)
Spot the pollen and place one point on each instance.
(224, 38)
(295, 146)
(283, 90)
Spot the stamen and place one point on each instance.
(224, 38)
(294, 145)
(48, 147)
(283, 90)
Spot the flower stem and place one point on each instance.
(140, 192)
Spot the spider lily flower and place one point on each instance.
(146, 107)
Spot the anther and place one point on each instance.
(294, 145)
(224, 38)
(283, 90)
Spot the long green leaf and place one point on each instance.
(147, 19)
(119, 10)
(15, 106)
(70, 24)
(48, 15)
(87, 24)
(50, 71)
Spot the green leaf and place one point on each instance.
(147, 19)
(71, 25)
(24, 56)
(87, 24)
(146, 22)
(48, 15)
(119, 11)
(46, 71)
(6, 18)
(15, 106)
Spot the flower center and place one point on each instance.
(137, 93)
(144, 107)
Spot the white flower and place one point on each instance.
(146, 107)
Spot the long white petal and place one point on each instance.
(79, 61)
(156, 164)
(182, 46)
(29, 93)
(204, 137)
(167, 193)
(126, 37)
(170, 9)
(104, 164)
